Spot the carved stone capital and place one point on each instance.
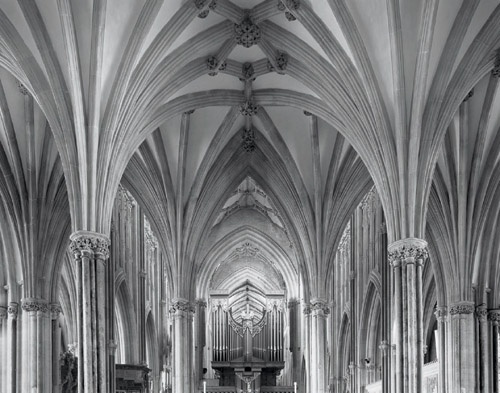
(462, 308)
(55, 310)
(3, 312)
(293, 303)
(441, 313)
(494, 316)
(482, 313)
(89, 242)
(306, 309)
(247, 33)
(12, 310)
(410, 250)
(34, 305)
(319, 306)
(201, 303)
(183, 305)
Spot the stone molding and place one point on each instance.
(3, 312)
(462, 308)
(183, 305)
(12, 310)
(90, 242)
(409, 250)
(494, 316)
(247, 33)
(34, 305)
(441, 313)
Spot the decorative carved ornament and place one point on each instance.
(150, 238)
(281, 61)
(320, 306)
(247, 71)
(214, 67)
(34, 305)
(249, 108)
(482, 313)
(287, 6)
(3, 312)
(469, 95)
(462, 308)
(441, 313)
(127, 201)
(494, 316)
(91, 242)
(248, 324)
(248, 140)
(247, 33)
(22, 89)
(55, 310)
(408, 250)
(181, 305)
(496, 68)
(201, 303)
(12, 310)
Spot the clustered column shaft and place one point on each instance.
(91, 250)
(407, 257)
(182, 312)
(318, 311)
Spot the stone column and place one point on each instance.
(441, 317)
(307, 342)
(182, 312)
(200, 342)
(294, 332)
(494, 319)
(407, 257)
(3, 348)
(484, 349)
(11, 354)
(91, 250)
(36, 346)
(319, 313)
(462, 371)
(55, 311)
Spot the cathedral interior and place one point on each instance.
(249, 196)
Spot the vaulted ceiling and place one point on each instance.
(315, 100)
